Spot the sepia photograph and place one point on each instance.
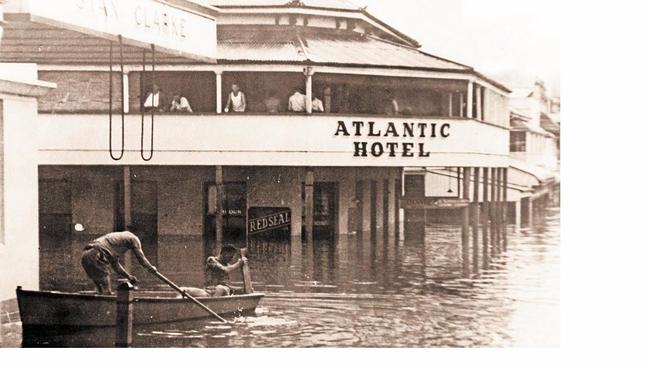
(280, 174)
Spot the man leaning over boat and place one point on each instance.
(104, 253)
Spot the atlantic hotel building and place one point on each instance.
(91, 143)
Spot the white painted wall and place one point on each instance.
(19, 250)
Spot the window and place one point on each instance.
(517, 141)
(414, 185)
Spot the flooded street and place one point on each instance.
(377, 293)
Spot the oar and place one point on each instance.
(185, 294)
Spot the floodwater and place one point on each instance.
(414, 292)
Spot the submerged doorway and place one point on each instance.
(233, 215)
(325, 209)
(144, 223)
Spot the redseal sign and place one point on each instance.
(139, 22)
(274, 221)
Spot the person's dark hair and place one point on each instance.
(226, 249)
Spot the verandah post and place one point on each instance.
(475, 219)
(465, 219)
(492, 210)
(309, 206)
(485, 216)
(124, 315)
(220, 196)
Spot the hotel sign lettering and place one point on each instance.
(274, 221)
(139, 22)
(392, 139)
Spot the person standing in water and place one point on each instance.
(104, 253)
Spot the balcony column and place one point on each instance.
(460, 106)
(309, 73)
(450, 100)
(218, 80)
(470, 99)
(125, 90)
(479, 103)
(309, 206)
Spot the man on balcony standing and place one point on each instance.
(297, 102)
(236, 100)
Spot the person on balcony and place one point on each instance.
(317, 105)
(272, 103)
(391, 106)
(180, 104)
(298, 101)
(236, 100)
(152, 102)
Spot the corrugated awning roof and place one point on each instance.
(26, 41)
(521, 125)
(548, 124)
(541, 174)
(290, 44)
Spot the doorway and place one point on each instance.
(233, 214)
(55, 229)
(325, 209)
(144, 221)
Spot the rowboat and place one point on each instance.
(67, 309)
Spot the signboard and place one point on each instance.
(140, 23)
(284, 140)
(264, 219)
(392, 139)
(433, 203)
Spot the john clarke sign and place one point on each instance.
(139, 22)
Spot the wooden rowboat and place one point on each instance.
(65, 309)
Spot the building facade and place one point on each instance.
(300, 128)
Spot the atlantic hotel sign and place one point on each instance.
(139, 22)
(387, 136)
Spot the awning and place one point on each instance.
(542, 175)
(520, 125)
(72, 31)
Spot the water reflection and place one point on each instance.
(382, 292)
